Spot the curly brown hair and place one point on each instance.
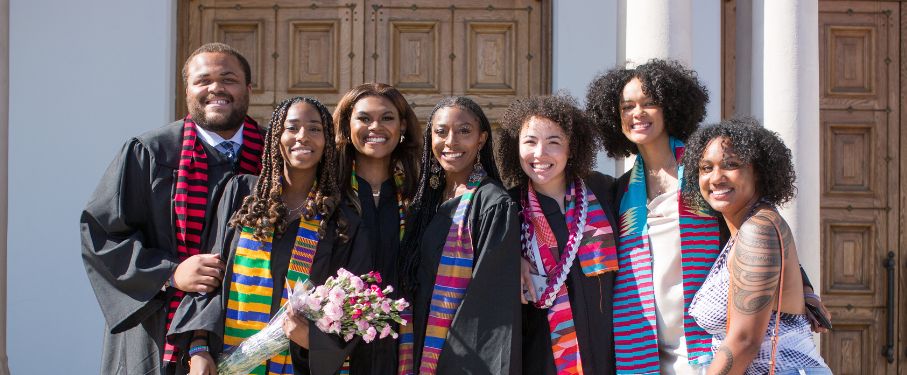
(264, 210)
(670, 85)
(754, 145)
(563, 110)
(405, 154)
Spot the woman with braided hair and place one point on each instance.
(460, 254)
(378, 144)
(289, 225)
(568, 235)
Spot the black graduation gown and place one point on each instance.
(207, 312)
(590, 297)
(129, 244)
(381, 226)
(484, 337)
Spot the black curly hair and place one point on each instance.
(754, 145)
(425, 204)
(670, 85)
(563, 110)
(264, 210)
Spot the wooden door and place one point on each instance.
(860, 118)
(490, 51)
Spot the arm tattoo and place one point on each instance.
(756, 266)
(729, 362)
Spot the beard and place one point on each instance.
(218, 123)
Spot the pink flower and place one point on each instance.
(334, 328)
(357, 282)
(336, 295)
(385, 306)
(333, 311)
(324, 324)
(357, 313)
(385, 331)
(313, 303)
(362, 325)
(375, 275)
(369, 334)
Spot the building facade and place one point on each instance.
(78, 78)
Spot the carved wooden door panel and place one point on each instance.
(491, 51)
(860, 117)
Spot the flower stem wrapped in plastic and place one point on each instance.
(346, 305)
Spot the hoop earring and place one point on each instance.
(435, 179)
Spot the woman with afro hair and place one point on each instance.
(286, 226)
(665, 247)
(568, 235)
(460, 256)
(744, 172)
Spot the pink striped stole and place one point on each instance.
(190, 199)
(635, 328)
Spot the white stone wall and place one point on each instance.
(84, 76)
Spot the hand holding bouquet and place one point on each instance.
(346, 305)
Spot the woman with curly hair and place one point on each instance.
(568, 235)
(460, 254)
(664, 247)
(744, 172)
(289, 225)
(378, 145)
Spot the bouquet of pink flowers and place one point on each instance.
(346, 305)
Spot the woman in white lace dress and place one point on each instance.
(754, 291)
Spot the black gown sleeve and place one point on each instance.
(205, 312)
(125, 272)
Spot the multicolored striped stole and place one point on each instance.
(251, 287)
(635, 329)
(451, 281)
(191, 199)
(597, 253)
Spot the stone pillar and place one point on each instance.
(658, 29)
(790, 106)
(4, 173)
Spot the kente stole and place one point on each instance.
(190, 201)
(451, 281)
(251, 287)
(635, 329)
(596, 252)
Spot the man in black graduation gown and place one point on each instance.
(135, 261)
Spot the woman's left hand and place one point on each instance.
(296, 328)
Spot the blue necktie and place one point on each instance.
(227, 149)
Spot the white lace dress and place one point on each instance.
(796, 348)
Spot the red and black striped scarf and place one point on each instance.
(191, 198)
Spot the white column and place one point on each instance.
(790, 106)
(4, 180)
(658, 29)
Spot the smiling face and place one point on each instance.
(544, 150)
(456, 139)
(302, 141)
(726, 183)
(217, 95)
(375, 127)
(642, 121)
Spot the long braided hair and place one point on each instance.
(264, 210)
(425, 203)
(405, 152)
